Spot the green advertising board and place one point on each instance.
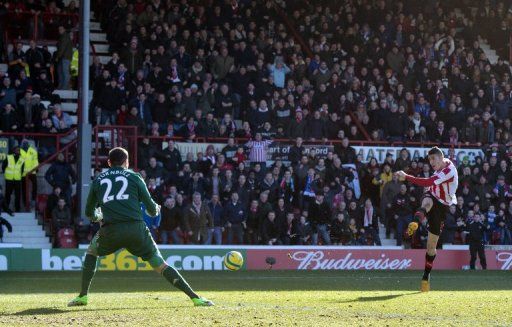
(71, 259)
(4, 148)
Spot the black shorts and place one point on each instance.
(436, 216)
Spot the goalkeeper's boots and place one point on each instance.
(202, 302)
(78, 301)
(425, 285)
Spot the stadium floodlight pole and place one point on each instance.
(84, 126)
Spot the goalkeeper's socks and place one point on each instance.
(429, 262)
(88, 271)
(174, 277)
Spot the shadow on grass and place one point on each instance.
(53, 311)
(378, 298)
(39, 311)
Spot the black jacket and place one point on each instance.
(476, 231)
(60, 174)
(270, 230)
(319, 213)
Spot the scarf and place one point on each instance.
(368, 214)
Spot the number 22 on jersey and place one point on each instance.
(107, 197)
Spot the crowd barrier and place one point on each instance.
(209, 258)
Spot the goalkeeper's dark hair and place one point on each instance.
(117, 156)
(436, 151)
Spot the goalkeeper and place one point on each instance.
(114, 201)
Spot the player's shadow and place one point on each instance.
(52, 311)
(378, 298)
(38, 311)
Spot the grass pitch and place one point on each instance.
(277, 298)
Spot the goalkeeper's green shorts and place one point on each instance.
(133, 236)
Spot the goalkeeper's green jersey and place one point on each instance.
(119, 192)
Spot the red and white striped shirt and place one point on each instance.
(258, 151)
(442, 184)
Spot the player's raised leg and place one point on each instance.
(420, 215)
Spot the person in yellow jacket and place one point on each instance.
(383, 178)
(13, 171)
(31, 161)
(74, 63)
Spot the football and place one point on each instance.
(233, 260)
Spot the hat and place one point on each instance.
(194, 86)
(465, 158)
(36, 96)
(501, 177)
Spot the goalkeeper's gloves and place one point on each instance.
(157, 211)
(98, 215)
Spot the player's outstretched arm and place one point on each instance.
(425, 182)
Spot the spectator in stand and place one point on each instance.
(476, 230)
(258, 150)
(217, 210)
(236, 219)
(61, 215)
(171, 223)
(370, 222)
(270, 230)
(320, 217)
(63, 58)
(12, 169)
(54, 198)
(7, 93)
(61, 174)
(9, 119)
(340, 232)
(503, 229)
(402, 213)
(198, 220)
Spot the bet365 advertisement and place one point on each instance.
(256, 258)
(72, 259)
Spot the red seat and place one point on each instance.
(66, 232)
(67, 242)
(41, 201)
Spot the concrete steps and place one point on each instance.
(26, 231)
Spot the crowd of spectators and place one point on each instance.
(402, 71)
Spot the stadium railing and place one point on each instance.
(109, 136)
(17, 22)
(60, 148)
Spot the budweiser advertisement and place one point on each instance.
(367, 259)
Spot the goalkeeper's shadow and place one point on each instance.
(53, 311)
(378, 298)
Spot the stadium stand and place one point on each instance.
(208, 96)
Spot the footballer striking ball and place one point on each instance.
(233, 260)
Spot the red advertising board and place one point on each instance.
(367, 259)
